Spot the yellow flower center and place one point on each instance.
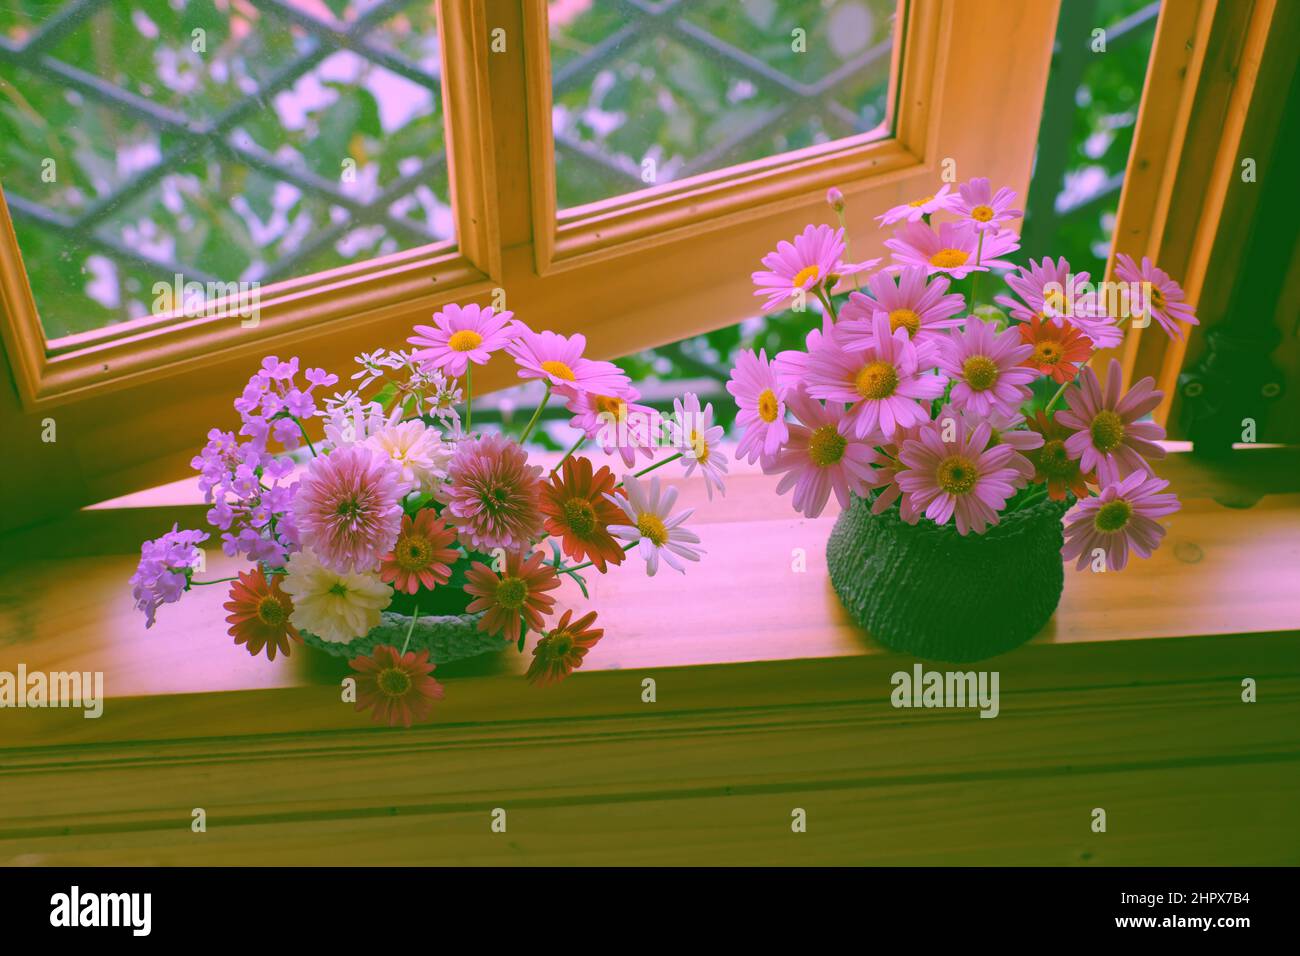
(1054, 299)
(877, 380)
(918, 203)
(1054, 461)
(1113, 516)
(609, 405)
(512, 593)
(826, 446)
(949, 258)
(270, 611)
(982, 213)
(559, 370)
(652, 528)
(1157, 299)
(579, 516)
(1107, 431)
(413, 553)
(768, 405)
(980, 372)
(956, 475)
(904, 318)
(466, 340)
(393, 682)
(803, 275)
(1047, 353)
(699, 447)
(560, 644)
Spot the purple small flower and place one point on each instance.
(162, 574)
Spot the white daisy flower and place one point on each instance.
(694, 433)
(657, 532)
(336, 607)
(353, 421)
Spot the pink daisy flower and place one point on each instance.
(1120, 519)
(816, 255)
(1049, 290)
(616, 423)
(984, 365)
(886, 479)
(754, 386)
(886, 382)
(1006, 430)
(1108, 437)
(820, 457)
(460, 335)
(558, 361)
(912, 304)
(1168, 303)
(963, 479)
(913, 211)
(982, 208)
(348, 508)
(955, 249)
(494, 495)
(791, 365)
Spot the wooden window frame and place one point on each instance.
(625, 272)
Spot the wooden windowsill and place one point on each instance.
(1227, 567)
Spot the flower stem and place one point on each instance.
(826, 301)
(586, 564)
(1057, 397)
(649, 468)
(303, 428)
(975, 276)
(214, 581)
(415, 616)
(574, 447)
(532, 422)
(469, 397)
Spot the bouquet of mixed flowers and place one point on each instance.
(926, 398)
(407, 539)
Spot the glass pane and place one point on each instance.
(654, 92)
(221, 141)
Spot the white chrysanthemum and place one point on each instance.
(335, 606)
(653, 527)
(417, 450)
(698, 438)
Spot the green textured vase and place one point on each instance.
(447, 637)
(925, 590)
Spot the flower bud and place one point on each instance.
(835, 199)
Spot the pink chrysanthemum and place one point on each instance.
(914, 210)
(754, 386)
(348, 508)
(963, 479)
(1168, 303)
(984, 365)
(1049, 290)
(493, 497)
(1120, 519)
(820, 457)
(982, 208)
(816, 254)
(955, 249)
(886, 382)
(922, 309)
(460, 335)
(558, 361)
(1108, 436)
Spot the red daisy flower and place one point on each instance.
(259, 614)
(578, 513)
(518, 590)
(422, 556)
(560, 653)
(1058, 349)
(1053, 464)
(398, 686)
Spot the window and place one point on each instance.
(631, 264)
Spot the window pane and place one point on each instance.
(219, 140)
(655, 92)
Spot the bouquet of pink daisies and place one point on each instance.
(407, 539)
(947, 396)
